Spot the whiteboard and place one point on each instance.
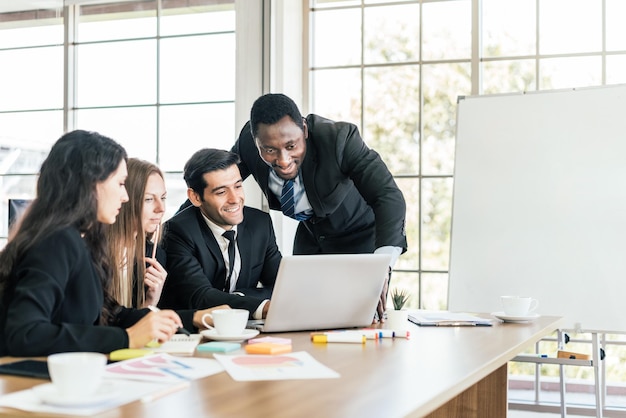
(539, 205)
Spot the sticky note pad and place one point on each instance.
(219, 347)
(268, 348)
(275, 340)
(128, 353)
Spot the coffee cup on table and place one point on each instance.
(227, 321)
(76, 375)
(518, 305)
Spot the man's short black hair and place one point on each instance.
(270, 108)
(205, 161)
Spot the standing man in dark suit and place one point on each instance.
(204, 268)
(342, 192)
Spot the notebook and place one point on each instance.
(178, 344)
(314, 292)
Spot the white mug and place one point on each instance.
(227, 321)
(78, 374)
(518, 305)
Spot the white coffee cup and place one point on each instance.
(78, 374)
(518, 305)
(227, 321)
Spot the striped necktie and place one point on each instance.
(288, 204)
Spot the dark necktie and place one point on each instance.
(288, 204)
(230, 236)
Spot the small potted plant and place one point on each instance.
(399, 298)
(398, 317)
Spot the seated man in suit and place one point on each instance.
(206, 265)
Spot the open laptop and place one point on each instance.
(315, 292)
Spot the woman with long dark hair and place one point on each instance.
(56, 268)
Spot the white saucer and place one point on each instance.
(213, 335)
(49, 394)
(513, 318)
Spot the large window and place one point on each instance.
(158, 80)
(397, 68)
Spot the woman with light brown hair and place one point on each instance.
(139, 218)
(134, 243)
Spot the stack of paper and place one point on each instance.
(447, 319)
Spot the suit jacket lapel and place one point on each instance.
(308, 171)
(214, 249)
(262, 178)
(244, 245)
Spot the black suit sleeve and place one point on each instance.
(244, 136)
(56, 303)
(377, 186)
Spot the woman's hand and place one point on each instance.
(197, 316)
(158, 326)
(154, 280)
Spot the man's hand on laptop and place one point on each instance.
(382, 302)
(265, 309)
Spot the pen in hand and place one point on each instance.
(182, 330)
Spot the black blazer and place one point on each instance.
(358, 206)
(56, 303)
(196, 268)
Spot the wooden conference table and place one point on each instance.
(437, 372)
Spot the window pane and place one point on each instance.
(31, 28)
(186, 129)
(559, 73)
(434, 291)
(442, 86)
(204, 16)
(23, 84)
(391, 34)
(384, 1)
(560, 23)
(326, 102)
(334, 3)
(190, 76)
(14, 187)
(509, 27)
(615, 28)
(447, 30)
(411, 190)
(18, 161)
(117, 21)
(509, 76)
(409, 282)
(436, 220)
(336, 37)
(391, 122)
(134, 128)
(616, 69)
(30, 131)
(118, 73)
(176, 193)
